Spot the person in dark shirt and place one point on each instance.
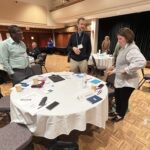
(79, 48)
(35, 50)
(50, 43)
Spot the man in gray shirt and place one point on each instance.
(14, 56)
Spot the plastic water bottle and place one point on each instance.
(99, 51)
(84, 81)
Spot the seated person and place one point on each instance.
(35, 51)
(106, 44)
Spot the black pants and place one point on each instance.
(122, 96)
(21, 74)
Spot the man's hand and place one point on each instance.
(76, 50)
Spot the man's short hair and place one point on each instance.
(13, 29)
(80, 19)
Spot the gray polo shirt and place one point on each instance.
(13, 55)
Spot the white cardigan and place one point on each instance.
(129, 59)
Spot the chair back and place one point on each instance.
(110, 80)
(94, 62)
(142, 70)
(61, 145)
(37, 69)
(1, 94)
(41, 59)
(44, 55)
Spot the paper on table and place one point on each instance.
(30, 103)
(95, 81)
(85, 93)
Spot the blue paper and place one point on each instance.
(24, 84)
(95, 81)
(94, 99)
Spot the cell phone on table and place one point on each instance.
(100, 86)
(52, 105)
(43, 101)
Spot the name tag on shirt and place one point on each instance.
(80, 46)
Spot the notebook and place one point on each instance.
(56, 78)
(93, 99)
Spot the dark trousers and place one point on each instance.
(21, 74)
(122, 96)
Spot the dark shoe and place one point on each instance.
(112, 114)
(117, 118)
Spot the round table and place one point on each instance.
(104, 60)
(73, 111)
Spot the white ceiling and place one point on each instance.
(46, 3)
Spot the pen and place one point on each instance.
(27, 99)
(99, 92)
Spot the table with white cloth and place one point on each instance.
(73, 111)
(104, 60)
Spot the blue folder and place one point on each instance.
(93, 99)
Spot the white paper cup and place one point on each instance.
(18, 87)
(35, 81)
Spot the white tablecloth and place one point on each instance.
(73, 112)
(102, 60)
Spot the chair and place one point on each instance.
(14, 137)
(60, 145)
(146, 77)
(37, 69)
(5, 105)
(41, 58)
(1, 94)
(111, 90)
(96, 70)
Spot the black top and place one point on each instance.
(74, 41)
(35, 52)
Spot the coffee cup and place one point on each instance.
(18, 87)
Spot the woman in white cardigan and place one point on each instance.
(129, 60)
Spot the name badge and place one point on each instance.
(80, 46)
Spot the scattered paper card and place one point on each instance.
(93, 99)
(95, 81)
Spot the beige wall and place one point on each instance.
(22, 12)
(38, 15)
(99, 9)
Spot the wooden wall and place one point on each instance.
(40, 36)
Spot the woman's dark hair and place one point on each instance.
(127, 33)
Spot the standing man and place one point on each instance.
(79, 48)
(15, 59)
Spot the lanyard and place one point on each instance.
(77, 38)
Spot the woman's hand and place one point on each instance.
(109, 72)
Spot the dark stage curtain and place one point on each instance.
(138, 22)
